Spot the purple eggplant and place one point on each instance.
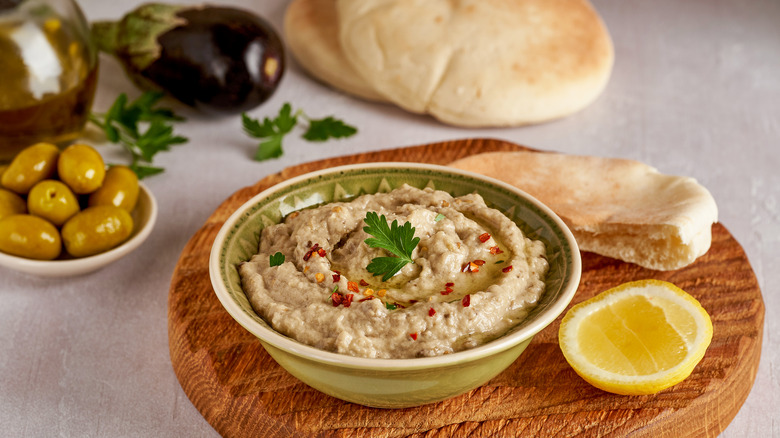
(219, 59)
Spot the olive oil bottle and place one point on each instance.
(48, 72)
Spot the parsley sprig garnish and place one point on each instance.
(122, 124)
(272, 131)
(276, 259)
(398, 240)
(327, 128)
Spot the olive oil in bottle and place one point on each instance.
(48, 72)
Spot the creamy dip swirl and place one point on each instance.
(475, 276)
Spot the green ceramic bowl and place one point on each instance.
(392, 383)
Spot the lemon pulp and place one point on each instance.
(638, 338)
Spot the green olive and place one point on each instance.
(82, 168)
(29, 236)
(11, 203)
(53, 201)
(120, 188)
(33, 164)
(96, 229)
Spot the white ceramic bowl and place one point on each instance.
(144, 217)
(392, 383)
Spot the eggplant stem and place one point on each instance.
(104, 35)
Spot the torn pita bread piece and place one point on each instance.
(312, 32)
(619, 208)
(479, 63)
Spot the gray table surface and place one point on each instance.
(695, 91)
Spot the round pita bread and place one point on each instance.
(311, 30)
(479, 63)
(615, 207)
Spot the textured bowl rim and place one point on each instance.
(270, 336)
(83, 265)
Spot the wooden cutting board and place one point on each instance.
(242, 392)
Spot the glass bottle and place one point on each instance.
(48, 72)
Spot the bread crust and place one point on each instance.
(479, 63)
(311, 30)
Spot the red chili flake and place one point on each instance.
(507, 269)
(336, 277)
(413, 336)
(365, 299)
(412, 301)
(473, 267)
(351, 285)
(363, 283)
(348, 300)
(321, 252)
(431, 312)
(495, 250)
(466, 301)
(400, 306)
(311, 251)
(337, 298)
(447, 289)
(484, 237)
(479, 262)
(466, 267)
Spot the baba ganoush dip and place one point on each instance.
(474, 276)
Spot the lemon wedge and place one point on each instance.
(637, 338)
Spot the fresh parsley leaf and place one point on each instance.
(398, 240)
(285, 121)
(143, 171)
(389, 306)
(277, 259)
(271, 132)
(144, 107)
(386, 266)
(323, 129)
(253, 128)
(269, 148)
(113, 113)
(122, 124)
(157, 138)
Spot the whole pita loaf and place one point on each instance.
(479, 63)
(614, 207)
(311, 30)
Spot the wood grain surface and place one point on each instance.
(242, 392)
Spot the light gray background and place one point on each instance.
(695, 91)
